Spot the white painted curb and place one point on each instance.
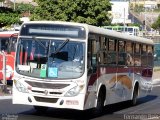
(156, 81)
(5, 97)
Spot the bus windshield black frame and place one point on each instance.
(53, 30)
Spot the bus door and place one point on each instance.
(92, 63)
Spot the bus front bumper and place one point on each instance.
(76, 102)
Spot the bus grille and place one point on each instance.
(48, 100)
(47, 85)
(42, 92)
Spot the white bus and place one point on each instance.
(130, 30)
(79, 66)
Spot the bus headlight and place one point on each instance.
(20, 87)
(73, 92)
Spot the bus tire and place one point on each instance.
(135, 95)
(100, 103)
(40, 109)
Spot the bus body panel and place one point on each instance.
(119, 86)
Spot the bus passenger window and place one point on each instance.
(4, 44)
(121, 46)
(129, 60)
(150, 56)
(102, 43)
(13, 44)
(121, 53)
(101, 52)
(144, 49)
(137, 57)
(144, 55)
(150, 50)
(111, 56)
(137, 49)
(129, 54)
(129, 47)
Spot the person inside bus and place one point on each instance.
(137, 62)
(129, 60)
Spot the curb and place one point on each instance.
(5, 97)
(156, 81)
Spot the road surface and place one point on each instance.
(148, 108)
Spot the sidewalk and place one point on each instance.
(5, 92)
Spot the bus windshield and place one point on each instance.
(41, 58)
(4, 43)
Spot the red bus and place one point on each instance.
(7, 39)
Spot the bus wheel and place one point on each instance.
(40, 109)
(100, 104)
(135, 95)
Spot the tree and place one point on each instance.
(23, 8)
(8, 17)
(156, 24)
(93, 12)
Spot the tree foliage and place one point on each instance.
(156, 24)
(8, 17)
(93, 12)
(22, 8)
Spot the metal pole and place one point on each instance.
(124, 24)
(4, 68)
(145, 20)
(14, 5)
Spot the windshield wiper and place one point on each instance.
(61, 46)
(40, 43)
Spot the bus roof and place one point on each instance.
(98, 30)
(115, 34)
(8, 33)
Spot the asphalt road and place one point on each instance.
(148, 108)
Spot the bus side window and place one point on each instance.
(150, 56)
(111, 56)
(121, 53)
(4, 44)
(129, 54)
(101, 53)
(137, 53)
(13, 44)
(144, 55)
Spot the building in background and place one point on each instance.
(120, 12)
